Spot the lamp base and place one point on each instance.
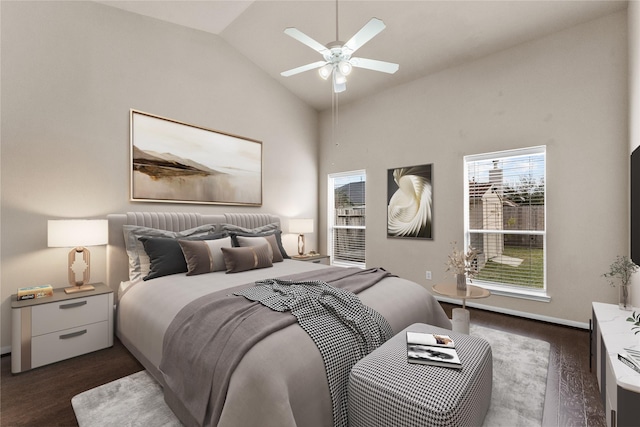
(82, 288)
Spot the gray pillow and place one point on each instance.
(204, 256)
(269, 227)
(139, 262)
(246, 258)
(276, 233)
(261, 240)
(166, 256)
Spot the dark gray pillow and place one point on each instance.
(247, 258)
(166, 256)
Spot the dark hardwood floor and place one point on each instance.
(42, 396)
(572, 397)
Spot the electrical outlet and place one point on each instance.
(428, 275)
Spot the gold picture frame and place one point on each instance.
(176, 162)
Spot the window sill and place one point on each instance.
(347, 264)
(515, 292)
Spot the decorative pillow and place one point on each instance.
(257, 241)
(139, 263)
(204, 256)
(165, 256)
(276, 233)
(246, 258)
(232, 228)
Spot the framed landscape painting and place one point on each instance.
(410, 202)
(176, 162)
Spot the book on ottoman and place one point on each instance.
(432, 349)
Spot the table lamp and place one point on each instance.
(301, 226)
(77, 233)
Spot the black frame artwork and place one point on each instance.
(410, 202)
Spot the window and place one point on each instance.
(346, 218)
(505, 220)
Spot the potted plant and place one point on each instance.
(621, 270)
(463, 264)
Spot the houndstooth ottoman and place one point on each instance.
(387, 391)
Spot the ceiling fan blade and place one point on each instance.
(366, 33)
(305, 39)
(303, 68)
(373, 64)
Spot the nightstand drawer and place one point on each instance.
(68, 343)
(61, 315)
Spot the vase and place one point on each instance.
(624, 299)
(461, 282)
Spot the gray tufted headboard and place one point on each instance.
(117, 259)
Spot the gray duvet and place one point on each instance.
(293, 391)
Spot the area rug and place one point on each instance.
(520, 367)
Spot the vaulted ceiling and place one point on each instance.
(423, 36)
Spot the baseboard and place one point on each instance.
(517, 313)
(5, 350)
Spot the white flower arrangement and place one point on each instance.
(460, 262)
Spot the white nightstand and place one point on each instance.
(316, 259)
(50, 329)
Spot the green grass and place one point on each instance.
(530, 273)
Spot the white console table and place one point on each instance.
(619, 384)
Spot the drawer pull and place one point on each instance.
(73, 305)
(73, 334)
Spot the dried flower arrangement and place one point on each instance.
(622, 268)
(463, 262)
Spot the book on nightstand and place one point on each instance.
(432, 349)
(32, 292)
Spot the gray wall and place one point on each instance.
(567, 91)
(70, 73)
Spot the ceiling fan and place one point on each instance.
(337, 55)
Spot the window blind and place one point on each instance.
(505, 216)
(347, 214)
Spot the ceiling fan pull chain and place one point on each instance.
(337, 38)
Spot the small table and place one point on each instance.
(460, 316)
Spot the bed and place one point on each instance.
(281, 380)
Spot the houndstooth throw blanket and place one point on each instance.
(343, 329)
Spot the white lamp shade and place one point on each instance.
(66, 233)
(345, 67)
(325, 71)
(301, 225)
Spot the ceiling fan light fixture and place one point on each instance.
(325, 71)
(339, 77)
(339, 83)
(345, 67)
